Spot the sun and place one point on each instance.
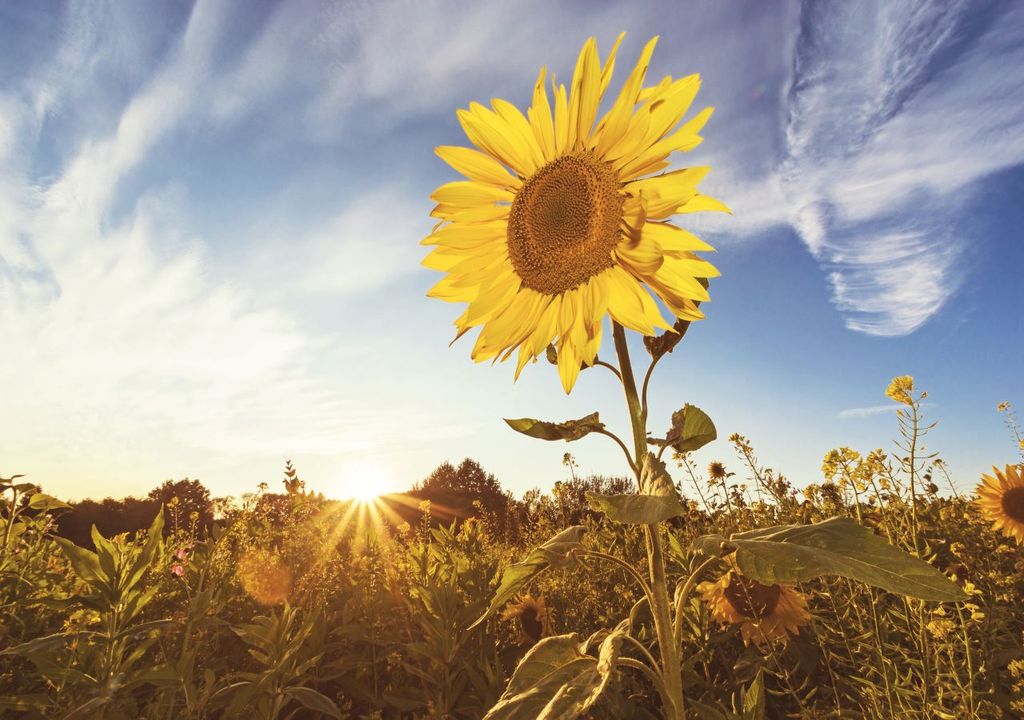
(365, 481)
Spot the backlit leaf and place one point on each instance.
(569, 430)
(554, 552)
(788, 554)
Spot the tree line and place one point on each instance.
(454, 493)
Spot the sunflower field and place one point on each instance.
(295, 606)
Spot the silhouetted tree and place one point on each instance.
(110, 516)
(456, 493)
(186, 504)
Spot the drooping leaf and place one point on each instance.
(788, 554)
(655, 480)
(691, 430)
(636, 509)
(569, 430)
(659, 345)
(313, 700)
(554, 552)
(551, 354)
(554, 681)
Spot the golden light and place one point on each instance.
(365, 481)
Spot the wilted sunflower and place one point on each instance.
(561, 221)
(533, 616)
(1002, 500)
(765, 613)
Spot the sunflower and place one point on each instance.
(1002, 500)
(562, 219)
(765, 613)
(533, 616)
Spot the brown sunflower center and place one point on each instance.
(1013, 503)
(531, 623)
(750, 598)
(564, 223)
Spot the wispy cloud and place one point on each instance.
(870, 411)
(895, 109)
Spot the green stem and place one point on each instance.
(661, 607)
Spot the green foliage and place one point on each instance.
(392, 619)
(691, 430)
(795, 553)
(637, 509)
(555, 681)
(556, 551)
(569, 430)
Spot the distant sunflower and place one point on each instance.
(533, 617)
(561, 221)
(765, 613)
(1002, 500)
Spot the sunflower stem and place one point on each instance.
(671, 670)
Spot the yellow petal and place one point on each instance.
(609, 63)
(617, 120)
(489, 132)
(664, 193)
(493, 299)
(585, 95)
(459, 215)
(466, 193)
(539, 115)
(562, 136)
(672, 239)
(686, 138)
(522, 133)
(630, 305)
(478, 166)
(668, 108)
(703, 203)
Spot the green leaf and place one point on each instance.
(44, 503)
(554, 552)
(691, 430)
(154, 542)
(789, 554)
(85, 563)
(655, 480)
(636, 509)
(569, 430)
(657, 500)
(313, 700)
(554, 681)
(46, 644)
(753, 699)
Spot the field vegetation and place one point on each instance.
(290, 605)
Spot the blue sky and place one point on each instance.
(210, 216)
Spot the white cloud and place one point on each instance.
(894, 112)
(870, 411)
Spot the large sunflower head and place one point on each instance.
(563, 217)
(765, 613)
(1001, 497)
